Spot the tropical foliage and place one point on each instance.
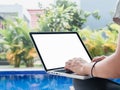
(15, 39)
(64, 16)
(100, 42)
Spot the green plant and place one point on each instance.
(16, 40)
(2, 52)
(100, 42)
(64, 16)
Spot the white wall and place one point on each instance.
(105, 7)
(15, 10)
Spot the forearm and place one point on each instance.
(108, 68)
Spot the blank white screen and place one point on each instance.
(56, 49)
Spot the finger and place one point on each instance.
(68, 64)
(95, 59)
(98, 58)
(73, 63)
(103, 57)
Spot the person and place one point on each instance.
(101, 69)
(110, 64)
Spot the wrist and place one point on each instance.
(92, 69)
(87, 68)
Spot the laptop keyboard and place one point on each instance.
(66, 71)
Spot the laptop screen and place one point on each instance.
(57, 48)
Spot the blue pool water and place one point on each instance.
(117, 80)
(34, 82)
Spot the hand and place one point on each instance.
(77, 65)
(98, 58)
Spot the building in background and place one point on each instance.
(16, 10)
(34, 16)
(30, 11)
(13, 11)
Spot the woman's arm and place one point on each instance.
(110, 66)
(107, 68)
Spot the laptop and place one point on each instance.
(56, 48)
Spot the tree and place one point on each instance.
(63, 16)
(16, 40)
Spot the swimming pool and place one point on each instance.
(41, 81)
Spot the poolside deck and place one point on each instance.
(29, 70)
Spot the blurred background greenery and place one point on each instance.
(64, 16)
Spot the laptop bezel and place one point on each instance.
(31, 33)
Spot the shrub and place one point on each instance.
(15, 39)
(100, 42)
